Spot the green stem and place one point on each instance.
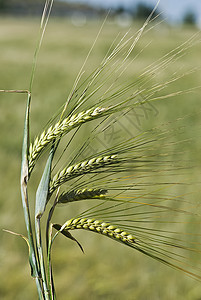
(39, 289)
(41, 258)
(34, 257)
(48, 245)
(35, 271)
(50, 275)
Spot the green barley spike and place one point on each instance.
(79, 169)
(59, 129)
(77, 195)
(97, 226)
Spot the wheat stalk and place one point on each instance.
(59, 129)
(78, 169)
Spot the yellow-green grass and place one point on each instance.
(107, 270)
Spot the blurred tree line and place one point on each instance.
(35, 7)
(142, 11)
(137, 11)
(190, 18)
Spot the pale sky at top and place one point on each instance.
(173, 9)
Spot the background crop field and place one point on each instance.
(107, 270)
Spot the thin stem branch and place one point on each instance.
(41, 259)
(48, 245)
(49, 271)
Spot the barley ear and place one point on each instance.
(81, 168)
(77, 195)
(59, 130)
(97, 226)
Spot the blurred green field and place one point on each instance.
(107, 270)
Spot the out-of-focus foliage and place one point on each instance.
(190, 18)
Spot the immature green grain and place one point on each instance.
(83, 194)
(80, 168)
(59, 129)
(98, 226)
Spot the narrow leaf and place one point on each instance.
(24, 194)
(67, 234)
(42, 191)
